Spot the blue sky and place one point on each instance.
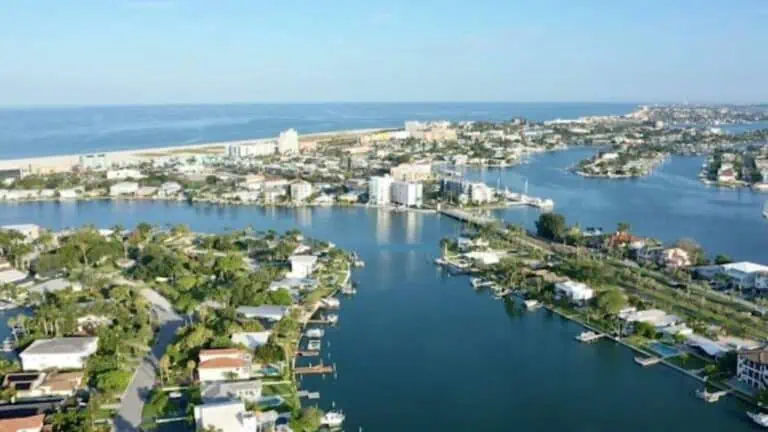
(186, 51)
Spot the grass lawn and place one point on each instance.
(688, 362)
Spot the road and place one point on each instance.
(137, 394)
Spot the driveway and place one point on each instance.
(138, 392)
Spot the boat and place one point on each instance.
(710, 397)
(349, 290)
(759, 418)
(332, 318)
(331, 303)
(765, 210)
(314, 345)
(8, 345)
(315, 333)
(480, 283)
(532, 304)
(357, 261)
(588, 336)
(333, 419)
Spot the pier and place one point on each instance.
(589, 336)
(647, 361)
(465, 216)
(711, 397)
(315, 370)
(308, 394)
(307, 353)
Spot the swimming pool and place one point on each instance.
(271, 401)
(664, 350)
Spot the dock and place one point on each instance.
(647, 361)
(464, 216)
(307, 353)
(321, 321)
(589, 336)
(308, 394)
(315, 370)
(711, 397)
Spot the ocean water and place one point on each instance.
(33, 132)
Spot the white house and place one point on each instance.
(58, 353)
(55, 285)
(655, 317)
(752, 368)
(67, 194)
(302, 266)
(123, 188)
(576, 291)
(223, 364)
(747, 275)
(169, 189)
(266, 312)
(231, 416)
(123, 174)
(221, 391)
(252, 340)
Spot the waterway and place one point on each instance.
(417, 350)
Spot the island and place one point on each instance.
(623, 162)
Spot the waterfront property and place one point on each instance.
(231, 416)
(223, 365)
(58, 353)
(752, 368)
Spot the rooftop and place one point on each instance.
(64, 345)
(22, 423)
(745, 267)
(758, 355)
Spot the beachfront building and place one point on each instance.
(300, 191)
(246, 149)
(407, 194)
(93, 161)
(380, 190)
(575, 291)
(22, 424)
(411, 172)
(124, 174)
(752, 368)
(30, 231)
(288, 142)
(302, 266)
(231, 416)
(655, 317)
(58, 353)
(223, 365)
(123, 188)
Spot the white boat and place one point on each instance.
(349, 290)
(7, 345)
(333, 419)
(331, 303)
(332, 318)
(315, 333)
(765, 210)
(532, 304)
(314, 345)
(759, 418)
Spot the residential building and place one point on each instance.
(9, 275)
(22, 424)
(575, 291)
(266, 312)
(655, 317)
(221, 391)
(231, 416)
(223, 365)
(94, 161)
(124, 174)
(123, 188)
(480, 193)
(58, 353)
(252, 182)
(169, 189)
(302, 266)
(747, 275)
(30, 231)
(288, 142)
(411, 172)
(55, 285)
(247, 149)
(752, 368)
(252, 340)
(380, 190)
(41, 384)
(68, 194)
(407, 194)
(675, 258)
(300, 191)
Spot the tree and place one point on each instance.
(645, 329)
(694, 250)
(623, 227)
(610, 302)
(551, 226)
(721, 259)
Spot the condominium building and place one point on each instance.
(411, 172)
(288, 142)
(407, 193)
(480, 193)
(300, 191)
(752, 368)
(380, 190)
(246, 149)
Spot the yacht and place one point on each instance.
(759, 418)
(7, 345)
(332, 318)
(315, 333)
(314, 345)
(333, 419)
(532, 304)
(765, 210)
(331, 303)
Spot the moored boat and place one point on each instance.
(759, 418)
(333, 419)
(315, 333)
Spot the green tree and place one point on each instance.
(551, 226)
(610, 302)
(623, 227)
(721, 259)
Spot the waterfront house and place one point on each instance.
(252, 340)
(55, 285)
(58, 353)
(655, 317)
(221, 391)
(231, 416)
(302, 266)
(484, 257)
(265, 312)
(123, 188)
(752, 368)
(675, 258)
(223, 364)
(747, 275)
(22, 424)
(10, 275)
(169, 189)
(294, 285)
(577, 292)
(41, 384)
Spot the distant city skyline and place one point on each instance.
(92, 52)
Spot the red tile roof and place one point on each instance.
(16, 424)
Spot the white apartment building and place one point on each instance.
(288, 142)
(407, 194)
(575, 291)
(300, 191)
(123, 174)
(411, 172)
(480, 193)
(58, 353)
(752, 368)
(246, 149)
(380, 190)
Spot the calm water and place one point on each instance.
(52, 131)
(669, 205)
(419, 351)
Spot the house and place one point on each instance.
(223, 364)
(252, 340)
(231, 416)
(649, 255)
(752, 368)
(747, 275)
(90, 322)
(55, 285)
(294, 284)
(11, 275)
(302, 266)
(67, 194)
(221, 391)
(41, 384)
(265, 312)
(169, 189)
(655, 317)
(58, 353)
(123, 188)
(22, 424)
(123, 174)
(675, 258)
(483, 257)
(575, 291)
(300, 191)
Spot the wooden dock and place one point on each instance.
(315, 370)
(647, 361)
